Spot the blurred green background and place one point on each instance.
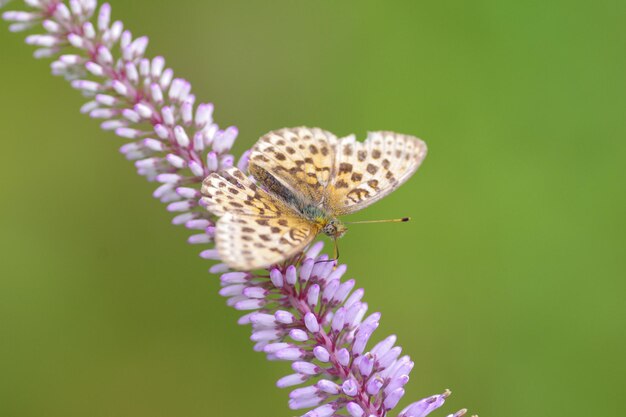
(509, 286)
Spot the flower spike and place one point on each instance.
(300, 312)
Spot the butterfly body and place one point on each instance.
(329, 225)
(305, 179)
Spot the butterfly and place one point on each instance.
(305, 179)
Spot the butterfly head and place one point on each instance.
(334, 228)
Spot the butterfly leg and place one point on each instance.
(335, 257)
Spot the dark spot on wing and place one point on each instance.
(356, 177)
(345, 168)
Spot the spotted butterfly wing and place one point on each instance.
(297, 161)
(255, 229)
(365, 172)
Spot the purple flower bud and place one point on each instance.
(298, 335)
(291, 380)
(85, 85)
(343, 291)
(393, 398)
(262, 319)
(424, 407)
(276, 277)
(305, 368)
(397, 383)
(306, 269)
(374, 385)
(275, 347)
(61, 12)
(354, 313)
(311, 323)
(321, 354)
(187, 192)
(204, 114)
(156, 69)
(262, 335)
(186, 112)
(232, 290)
(290, 275)
(94, 69)
(328, 387)
(290, 354)
(304, 392)
(256, 292)
(225, 140)
(343, 356)
(104, 56)
(383, 346)
(322, 411)
(350, 387)
(196, 169)
(193, 239)
(313, 295)
(176, 161)
(168, 178)
(372, 319)
(143, 110)
(220, 268)
(306, 402)
(362, 337)
(131, 73)
(249, 304)
(166, 78)
(232, 277)
(354, 409)
(181, 205)
(284, 317)
(339, 319)
(181, 136)
(337, 273)
(212, 162)
(389, 357)
(402, 366)
(210, 254)
(366, 364)
(329, 291)
(226, 161)
(113, 124)
(315, 250)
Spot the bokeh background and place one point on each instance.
(508, 287)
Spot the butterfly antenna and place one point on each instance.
(401, 220)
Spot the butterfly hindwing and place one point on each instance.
(247, 243)
(255, 230)
(367, 171)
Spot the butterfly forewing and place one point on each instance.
(367, 171)
(255, 229)
(302, 159)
